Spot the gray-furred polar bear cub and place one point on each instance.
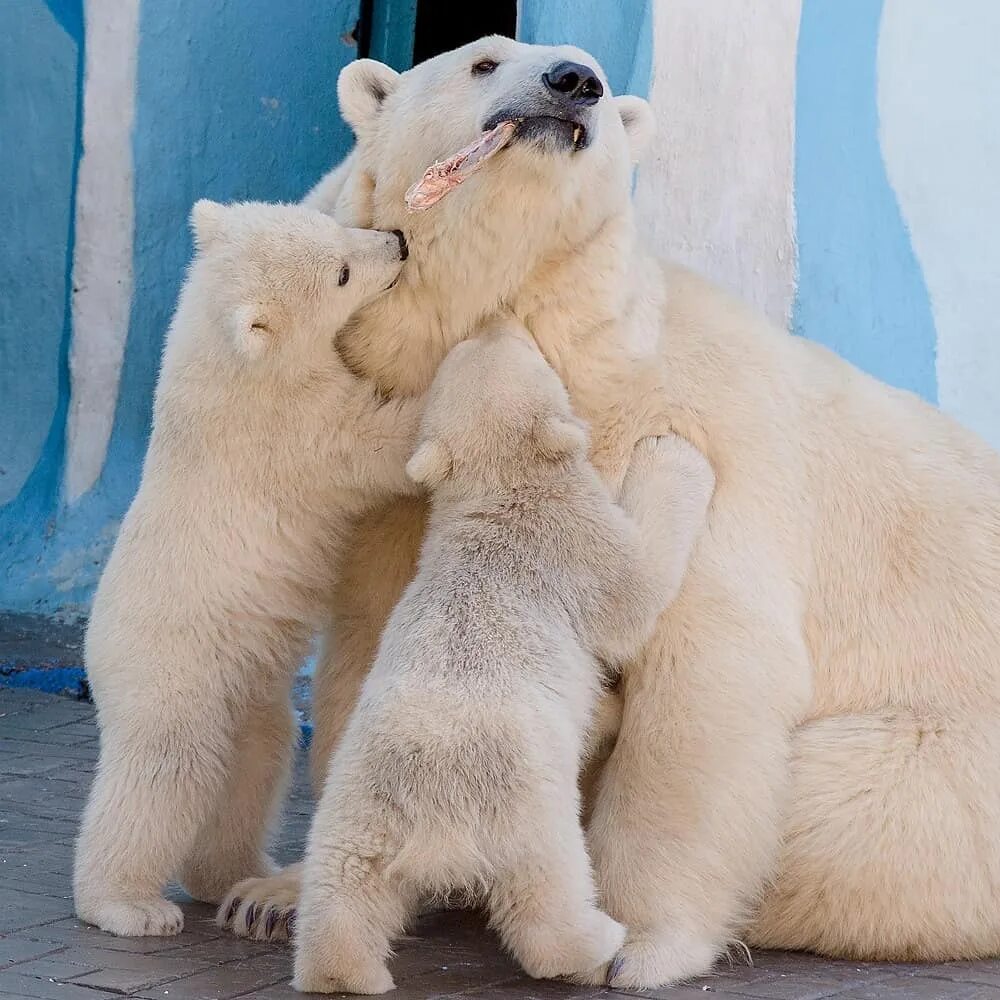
(264, 447)
(459, 765)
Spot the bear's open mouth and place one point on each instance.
(567, 133)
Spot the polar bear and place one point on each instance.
(809, 751)
(264, 448)
(458, 769)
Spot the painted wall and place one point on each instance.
(115, 116)
(830, 160)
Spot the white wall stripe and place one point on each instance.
(715, 191)
(102, 256)
(938, 96)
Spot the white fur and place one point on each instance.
(263, 448)
(458, 769)
(809, 753)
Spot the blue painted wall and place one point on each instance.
(234, 99)
(831, 210)
(40, 72)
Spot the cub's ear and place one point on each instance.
(431, 463)
(637, 117)
(558, 437)
(208, 222)
(362, 87)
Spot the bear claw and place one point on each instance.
(614, 968)
(270, 920)
(231, 912)
(253, 912)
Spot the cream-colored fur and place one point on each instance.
(809, 753)
(458, 768)
(264, 447)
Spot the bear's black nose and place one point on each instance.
(404, 250)
(575, 82)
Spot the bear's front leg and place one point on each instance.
(382, 561)
(686, 822)
(232, 843)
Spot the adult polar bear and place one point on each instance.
(809, 754)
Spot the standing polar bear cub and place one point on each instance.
(264, 447)
(459, 767)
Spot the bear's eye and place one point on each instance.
(345, 276)
(484, 67)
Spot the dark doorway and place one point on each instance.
(447, 24)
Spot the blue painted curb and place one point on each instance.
(52, 680)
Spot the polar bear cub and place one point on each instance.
(264, 446)
(459, 766)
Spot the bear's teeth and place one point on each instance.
(576, 135)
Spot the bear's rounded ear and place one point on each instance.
(362, 87)
(430, 464)
(208, 220)
(637, 117)
(559, 437)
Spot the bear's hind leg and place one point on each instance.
(353, 902)
(890, 848)
(372, 580)
(685, 825)
(232, 845)
(544, 909)
(161, 769)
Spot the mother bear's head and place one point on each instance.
(559, 190)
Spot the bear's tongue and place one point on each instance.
(446, 175)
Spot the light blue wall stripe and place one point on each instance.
(619, 33)
(860, 288)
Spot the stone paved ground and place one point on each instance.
(48, 747)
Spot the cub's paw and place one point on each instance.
(648, 961)
(669, 459)
(367, 982)
(600, 945)
(262, 908)
(154, 917)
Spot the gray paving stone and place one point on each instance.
(28, 988)
(224, 982)
(47, 763)
(920, 988)
(61, 966)
(23, 910)
(15, 950)
(986, 973)
(48, 746)
(71, 933)
(788, 986)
